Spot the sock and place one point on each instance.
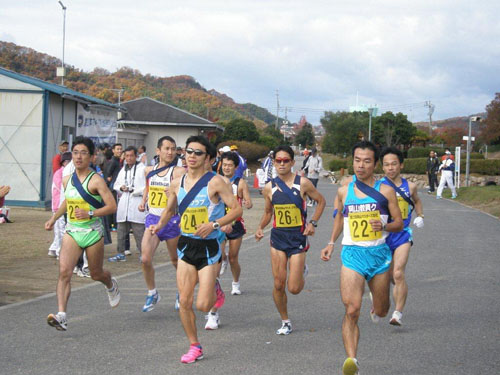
(62, 314)
(285, 321)
(236, 283)
(152, 292)
(197, 344)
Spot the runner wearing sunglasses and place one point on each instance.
(285, 198)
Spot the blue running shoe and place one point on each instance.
(177, 304)
(118, 258)
(151, 301)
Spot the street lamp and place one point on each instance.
(469, 140)
(370, 112)
(61, 72)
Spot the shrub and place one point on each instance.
(250, 151)
(337, 164)
(473, 155)
(268, 141)
(423, 152)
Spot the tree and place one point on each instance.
(343, 130)
(392, 130)
(305, 137)
(490, 131)
(240, 130)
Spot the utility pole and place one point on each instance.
(277, 108)
(62, 72)
(431, 111)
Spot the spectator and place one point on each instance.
(304, 163)
(130, 183)
(447, 155)
(101, 155)
(115, 164)
(57, 189)
(240, 171)
(268, 167)
(314, 166)
(56, 160)
(447, 169)
(142, 157)
(432, 170)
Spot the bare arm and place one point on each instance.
(268, 212)
(244, 193)
(338, 225)
(397, 224)
(97, 185)
(419, 209)
(169, 211)
(308, 188)
(142, 205)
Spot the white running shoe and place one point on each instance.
(57, 321)
(212, 321)
(52, 253)
(113, 294)
(223, 267)
(177, 304)
(235, 291)
(306, 270)
(286, 329)
(374, 317)
(127, 252)
(396, 318)
(350, 367)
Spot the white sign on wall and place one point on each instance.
(97, 123)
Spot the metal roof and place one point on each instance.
(54, 88)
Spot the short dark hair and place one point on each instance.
(143, 147)
(231, 156)
(284, 148)
(394, 151)
(164, 138)
(116, 144)
(367, 145)
(131, 148)
(203, 141)
(87, 142)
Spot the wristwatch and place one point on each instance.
(421, 215)
(314, 223)
(215, 225)
(91, 214)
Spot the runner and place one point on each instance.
(365, 255)
(400, 242)
(159, 178)
(84, 191)
(200, 197)
(285, 197)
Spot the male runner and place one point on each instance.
(400, 242)
(285, 198)
(84, 231)
(202, 214)
(365, 255)
(158, 180)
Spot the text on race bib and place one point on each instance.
(360, 228)
(157, 198)
(287, 215)
(72, 205)
(192, 217)
(403, 207)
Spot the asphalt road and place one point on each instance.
(451, 321)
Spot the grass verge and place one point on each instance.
(484, 198)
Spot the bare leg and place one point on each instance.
(234, 249)
(279, 267)
(95, 255)
(296, 278)
(68, 257)
(150, 243)
(187, 277)
(172, 250)
(352, 286)
(399, 261)
(379, 286)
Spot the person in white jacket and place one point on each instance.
(129, 185)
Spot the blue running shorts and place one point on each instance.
(367, 261)
(291, 242)
(395, 240)
(239, 230)
(171, 230)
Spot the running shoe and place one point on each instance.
(151, 301)
(235, 289)
(453, 197)
(438, 197)
(374, 317)
(396, 318)
(52, 253)
(286, 329)
(75, 270)
(57, 321)
(223, 267)
(84, 272)
(177, 304)
(309, 204)
(117, 258)
(195, 353)
(221, 297)
(306, 270)
(212, 321)
(114, 293)
(127, 252)
(350, 367)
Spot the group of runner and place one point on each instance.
(194, 210)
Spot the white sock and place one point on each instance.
(152, 292)
(285, 321)
(62, 314)
(236, 283)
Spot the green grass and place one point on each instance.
(485, 198)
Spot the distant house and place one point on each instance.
(34, 117)
(146, 120)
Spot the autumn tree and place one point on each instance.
(490, 131)
(241, 130)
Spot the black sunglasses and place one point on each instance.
(189, 151)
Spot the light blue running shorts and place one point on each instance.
(367, 261)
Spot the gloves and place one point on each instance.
(418, 222)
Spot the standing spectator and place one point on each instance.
(113, 167)
(130, 183)
(314, 166)
(56, 160)
(142, 157)
(101, 155)
(447, 155)
(304, 163)
(432, 170)
(268, 167)
(60, 223)
(447, 169)
(243, 163)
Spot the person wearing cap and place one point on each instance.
(217, 166)
(57, 187)
(56, 160)
(314, 165)
(243, 163)
(447, 169)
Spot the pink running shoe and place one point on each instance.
(195, 353)
(221, 297)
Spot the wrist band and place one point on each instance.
(330, 243)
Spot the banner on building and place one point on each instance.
(97, 123)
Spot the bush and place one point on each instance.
(269, 141)
(473, 155)
(337, 164)
(423, 152)
(489, 167)
(250, 151)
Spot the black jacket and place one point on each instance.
(432, 165)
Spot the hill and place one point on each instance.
(461, 122)
(181, 91)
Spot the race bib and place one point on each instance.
(403, 207)
(287, 216)
(192, 217)
(360, 228)
(157, 198)
(72, 205)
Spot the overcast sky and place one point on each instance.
(396, 54)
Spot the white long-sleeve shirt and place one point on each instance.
(314, 165)
(128, 203)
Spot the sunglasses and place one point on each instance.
(189, 151)
(282, 161)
